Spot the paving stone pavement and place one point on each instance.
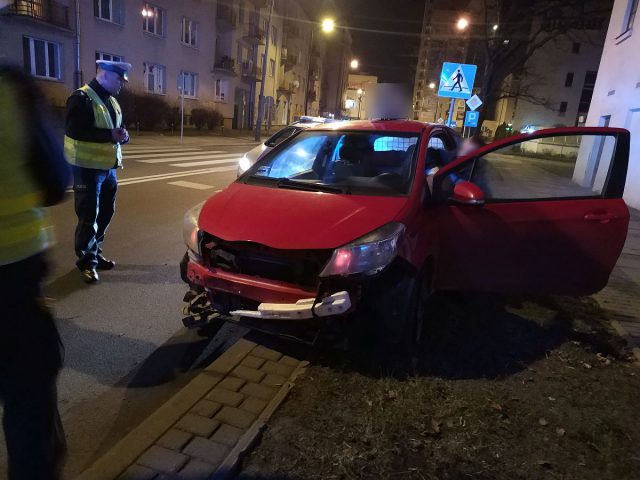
(621, 297)
(202, 431)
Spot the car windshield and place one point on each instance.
(367, 163)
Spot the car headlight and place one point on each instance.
(190, 229)
(368, 254)
(244, 164)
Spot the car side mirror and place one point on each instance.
(467, 193)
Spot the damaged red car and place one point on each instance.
(354, 225)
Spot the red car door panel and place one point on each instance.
(564, 245)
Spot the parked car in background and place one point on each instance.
(342, 225)
(253, 155)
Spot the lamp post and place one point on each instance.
(328, 25)
(264, 74)
(360, 94)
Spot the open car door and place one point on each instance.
(536, 213)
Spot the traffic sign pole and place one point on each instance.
(453, 103)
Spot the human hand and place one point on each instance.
(119, 135)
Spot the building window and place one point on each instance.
(274, 35)
(569, 80)
(632, 10)
(109, 10)
(221, 89)
(109, 57)
(575, 48)
(189, 81)
(563, 108)
(272, 67)
(154, 78)
(587, 91)
(153, 19)
(41, 58)
(189, 32)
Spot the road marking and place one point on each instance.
(169, 176)
(158, 149)
(197, 186)
(199, 156)
(207, 162)
(172, 154)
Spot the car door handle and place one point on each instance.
(602, 217)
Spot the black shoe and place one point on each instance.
(104, 264)
(90, 275)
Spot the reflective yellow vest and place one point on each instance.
(102, 156)
(24, 227)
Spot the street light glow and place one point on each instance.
(432, 85)
(495, 27)
(328, 25)
(354, 64)
(360, 91)
(462, 24)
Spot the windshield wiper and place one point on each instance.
(311, 187)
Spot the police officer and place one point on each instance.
(93, 136)
(33, 174)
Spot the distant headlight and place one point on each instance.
(367, 255)
(244, 164)
(191, 230)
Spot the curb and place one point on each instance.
(130, 458)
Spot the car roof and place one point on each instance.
(408, 126)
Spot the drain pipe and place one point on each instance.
(78, 72)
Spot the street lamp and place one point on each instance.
(495, 27)
(462, 24)
(354, 64)
(432, 85)
(360, 93)
(327, 26)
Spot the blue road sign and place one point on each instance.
(471, 119)
(456, 80)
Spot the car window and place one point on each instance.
(281, 136)
(545, 168)
(440, 151)
(361, 162)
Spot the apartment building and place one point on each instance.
(616, 97)
(440, 42)
(39, 36)
(212, 50)
(356, 94)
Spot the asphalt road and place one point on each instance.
(126, 349)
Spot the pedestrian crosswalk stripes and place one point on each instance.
(206, 162)
(136, 151)
(198, 156)
(175, 154)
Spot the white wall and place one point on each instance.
(617, 91)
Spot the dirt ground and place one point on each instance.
(501, 388)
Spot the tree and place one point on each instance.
(523, 28)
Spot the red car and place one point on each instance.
(346, 224)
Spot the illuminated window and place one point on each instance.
(153, 19)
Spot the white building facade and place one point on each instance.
(616, 97)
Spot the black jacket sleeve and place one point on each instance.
(80, 121)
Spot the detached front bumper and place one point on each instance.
(277, 300)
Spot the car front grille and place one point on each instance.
(298, 267)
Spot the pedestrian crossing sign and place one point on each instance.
(456, 80)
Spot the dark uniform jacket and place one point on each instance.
(80, 120)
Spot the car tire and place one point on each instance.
(394, 308)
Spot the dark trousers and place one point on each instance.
(30, 358)
(95, 201)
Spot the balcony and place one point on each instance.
(250, 72)
(289, 61)
(288, 88)
(47, 11)
(255, 35)
(226, 18)
(225, 65)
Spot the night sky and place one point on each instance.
(391, 57)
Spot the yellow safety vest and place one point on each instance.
(102, 156)
(24, 226)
